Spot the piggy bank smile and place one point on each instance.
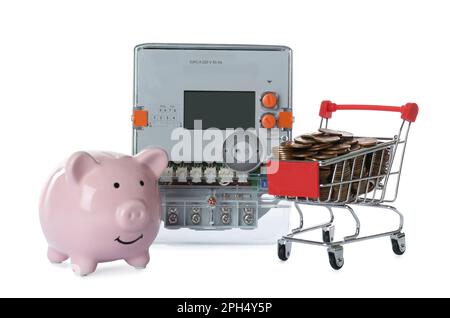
(129, 242)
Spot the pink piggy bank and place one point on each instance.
(101, 207)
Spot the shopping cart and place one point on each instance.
(366, 177)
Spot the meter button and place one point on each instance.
(269, 100)
(268, 121)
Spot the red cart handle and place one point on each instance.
(409, 111)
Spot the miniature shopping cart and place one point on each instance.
(366, 177)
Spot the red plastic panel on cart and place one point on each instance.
(291, 178)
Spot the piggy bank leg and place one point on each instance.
(56, 257)
(140, 261)
(83, 266)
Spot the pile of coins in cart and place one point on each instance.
(328, 144)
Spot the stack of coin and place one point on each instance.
(324, 177)
(290, 150)
(359, 171)
(327, 144)
(342, 172)
(380, 162)
(376, 159)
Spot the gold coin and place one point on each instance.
(292, 144)
(311, 135)
(339, 147)
(351, 142)
(320, 147)
(355, 147)
(337, 152)
(326, 139)
(304, 154)
(330, 132)
(333, 132)
(367, 141)
(325, 156)
(304, 141)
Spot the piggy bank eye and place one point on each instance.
(141, 183)
(116, 185)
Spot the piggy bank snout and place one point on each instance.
(132, 215)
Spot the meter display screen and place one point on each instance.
(219, 109)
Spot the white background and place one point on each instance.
(66, 84)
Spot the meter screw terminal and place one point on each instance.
(225, 217)
(248, 219)
(196, 218)
(182, 174)
(172, 217)
(196, 174)
(248, 216)
(210, 174)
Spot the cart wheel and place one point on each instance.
(328, 234)
(398, 243)
(336, 256)
(284, 249)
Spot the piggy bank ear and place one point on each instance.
(78, 165)
(155, 159)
